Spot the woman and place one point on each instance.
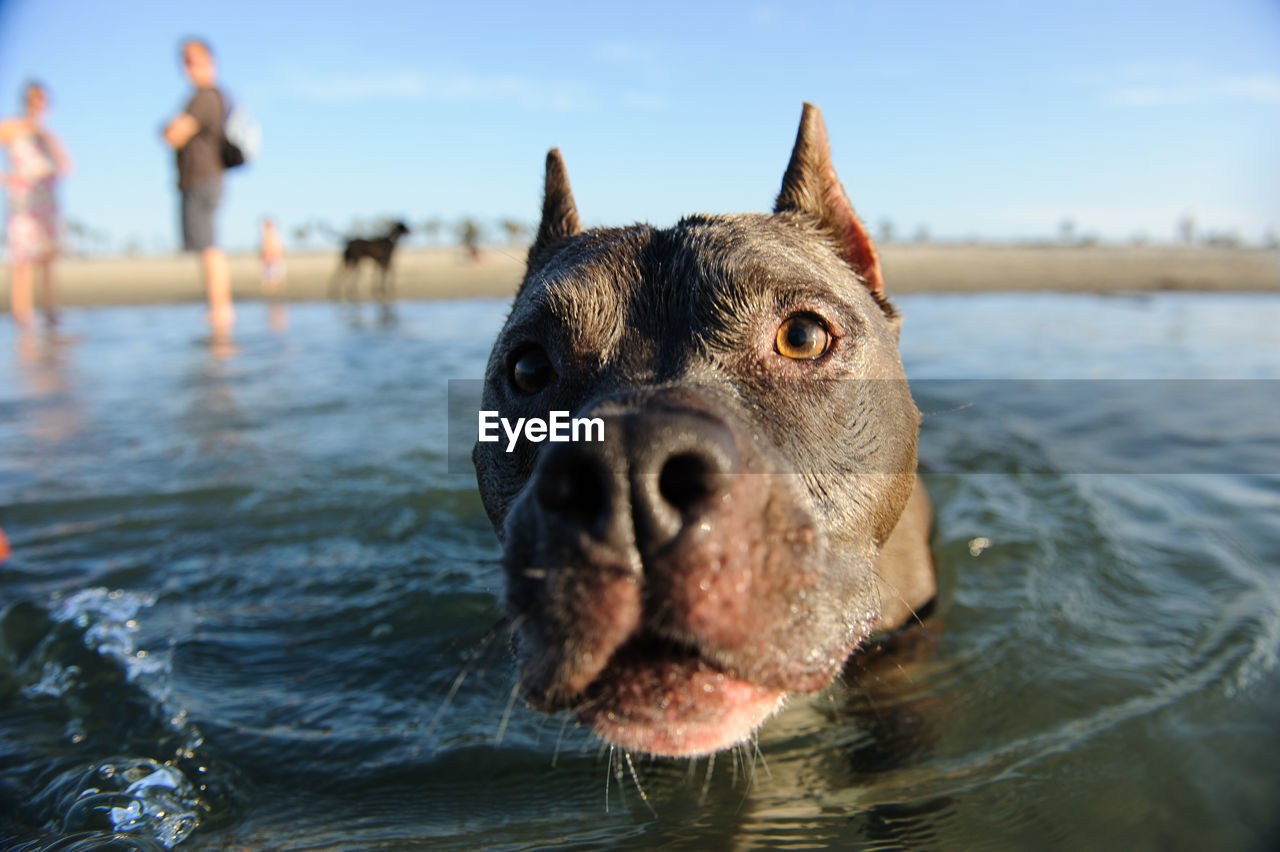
(36, 162)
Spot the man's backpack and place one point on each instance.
(241, 137)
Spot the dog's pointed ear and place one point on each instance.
(811, 189)
(559, 213)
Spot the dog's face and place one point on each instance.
(672, 583)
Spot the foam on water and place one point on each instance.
(108, 618)
(146, 800)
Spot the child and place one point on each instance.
(272, 254)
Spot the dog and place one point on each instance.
(752, 515)
(379, 250)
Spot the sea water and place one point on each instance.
(250, 605)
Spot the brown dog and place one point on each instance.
(752, 513)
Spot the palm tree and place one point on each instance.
(469, 233)
(430, 228)
(514, 228)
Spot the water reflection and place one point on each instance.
(353, 314)
(277, 317)
(43, 369)
(222, 345)
(212, 416)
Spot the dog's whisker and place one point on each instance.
(584, 706)
(706, 781)
(881, 578)
(631, 767)
(447, 702)
(748, 773)
(691, 771)
(866, 695)
(759, 755)
(436, 553)
(506, 713)
(608, 778)
(508, 255)
(564, 725)
(469, 660)
(611, 775)
(961, 407)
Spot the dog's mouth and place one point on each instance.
(663, 697)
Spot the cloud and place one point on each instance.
(419, 86)
(1261, 88)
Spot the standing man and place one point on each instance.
(196, 135)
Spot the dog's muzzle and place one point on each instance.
(666, 586)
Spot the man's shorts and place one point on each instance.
(199, 204)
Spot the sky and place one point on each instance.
(982, 120)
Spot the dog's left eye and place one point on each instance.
(803, 337)
(531, 370)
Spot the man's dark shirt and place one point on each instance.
(201, 158)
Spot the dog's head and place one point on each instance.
(672, 583)
(398, 229)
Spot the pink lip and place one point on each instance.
(677, 708)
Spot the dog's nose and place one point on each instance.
(655, 474)
(580, 484)
(682, 464)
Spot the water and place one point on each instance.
(250, 608)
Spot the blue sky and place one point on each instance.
(986, 119)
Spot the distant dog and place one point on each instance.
(751, 515)
(380, 251)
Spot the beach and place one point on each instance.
(447, 273)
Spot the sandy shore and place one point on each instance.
(445, 273)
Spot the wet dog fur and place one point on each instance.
(753, 515)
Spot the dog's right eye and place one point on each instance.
(803, 337)
(531, 370)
